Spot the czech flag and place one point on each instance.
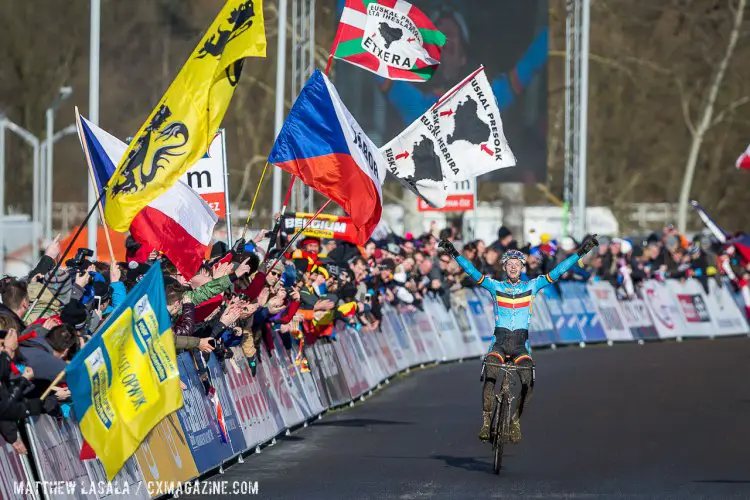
(179, 222)
(322, 144)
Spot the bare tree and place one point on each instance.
(707, 120)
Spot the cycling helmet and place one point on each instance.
(514, 254)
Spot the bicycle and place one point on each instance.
(501, 413)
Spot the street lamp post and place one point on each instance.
(65, 92)
(2, 194)
(96, 8)
(34, 142)
(45, 180)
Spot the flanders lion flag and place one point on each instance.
(180, 128)
(125, 379)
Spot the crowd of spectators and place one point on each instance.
(244, 296)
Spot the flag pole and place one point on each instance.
(297, 234)
(93, 183)
(277, 224)
(52, 385)
(252, 204)
(336, 40)
(62, 258)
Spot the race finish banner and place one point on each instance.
(207, 177)
(332, 227)
(460, 198)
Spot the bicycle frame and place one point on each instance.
(501, 414)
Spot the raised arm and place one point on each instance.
(467, 266)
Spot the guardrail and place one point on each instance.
(256, 410)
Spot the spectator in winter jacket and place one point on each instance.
(182, 311)
(15, 382)
(47, 352)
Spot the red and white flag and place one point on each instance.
(743, 162)
(179, 222)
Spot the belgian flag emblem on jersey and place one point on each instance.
(512, 301)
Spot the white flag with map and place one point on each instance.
(459, 138)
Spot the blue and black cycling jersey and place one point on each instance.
(513, 301)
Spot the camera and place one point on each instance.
(79, 262)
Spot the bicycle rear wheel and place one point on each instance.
(501, 427)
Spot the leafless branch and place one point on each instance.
(685, 105)
(729, 110)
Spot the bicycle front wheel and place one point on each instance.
(501, 426)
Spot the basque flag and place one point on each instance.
(322, 144)
(179, 222)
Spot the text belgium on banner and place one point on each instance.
(391, 38)
(334, 227)
(323, 145)
(179, 129)
(125, 379)
(459, 138)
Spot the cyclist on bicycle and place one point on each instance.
(513, 301)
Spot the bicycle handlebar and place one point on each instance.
(508, 366)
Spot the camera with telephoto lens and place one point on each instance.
(79, 262)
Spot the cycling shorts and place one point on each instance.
(510, 345)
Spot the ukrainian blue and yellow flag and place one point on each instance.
(125, 379)
(183, 123)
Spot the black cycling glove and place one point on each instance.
(447, 247)
(588, 244)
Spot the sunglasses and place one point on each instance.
(275, 273)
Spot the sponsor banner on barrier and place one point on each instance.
(388, 352)
(12, 474)
(277, 384)
(367, 363)
(477, 307)
(424, 326)
(336, 389)
(604, 298)
(393, 325)
(235, 436)
(164, 456)
(378, 363)
(472, 345)
(420, 350)
(636, 316)
(198, 420)
(727, 316)
(59, 444)
(311, 391)
(566, 324)
(663, 309)
(294, 384)
(691, 302)
(541, 328)
(351, 368)
(256, 421)
(445, 327)
(576, 301)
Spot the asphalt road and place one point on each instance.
(653, 421)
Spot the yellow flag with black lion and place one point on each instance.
(179, 129)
